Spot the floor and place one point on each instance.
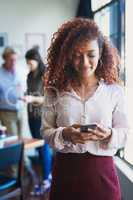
(28, 184)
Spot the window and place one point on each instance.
(96, 4)
(128, 156)
(111, 20)
(110, 16)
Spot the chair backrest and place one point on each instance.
(11, 155)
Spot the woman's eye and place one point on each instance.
(91, 56)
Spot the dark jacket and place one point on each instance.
(35, 87)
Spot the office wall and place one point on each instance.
(19, 17)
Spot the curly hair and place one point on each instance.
(60, 71)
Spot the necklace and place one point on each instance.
(86, 91)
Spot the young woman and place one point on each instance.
(34, 98)
(83, 89)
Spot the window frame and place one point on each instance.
(120, 42)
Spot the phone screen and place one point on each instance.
(84, 128)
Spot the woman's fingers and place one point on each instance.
(97, 133)
(107, 131)
(79, 137)
(76, 125)
(83, 139)
(92, 135)
(101, 128)
(85, 136)
(100, 133)
(94, 138)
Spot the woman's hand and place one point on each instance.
(36, 100)
(73, 134)
(100, 133)
(27, 98)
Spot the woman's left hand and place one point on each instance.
(100, 133)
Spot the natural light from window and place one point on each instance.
(129, 79)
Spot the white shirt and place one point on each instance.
(106, 107)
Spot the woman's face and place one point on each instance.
(85, 58)
(33, 64)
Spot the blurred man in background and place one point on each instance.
(10, 94)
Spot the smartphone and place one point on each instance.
(84, 128)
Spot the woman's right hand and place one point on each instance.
(36, 100)
(27, 98)
(73, 134)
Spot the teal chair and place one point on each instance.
(11, 186)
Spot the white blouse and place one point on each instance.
(106, 107)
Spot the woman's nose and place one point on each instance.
(86, 61)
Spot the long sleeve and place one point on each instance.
(49, 130)
(69, 108)
(120, 127)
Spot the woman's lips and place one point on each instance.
(87, 68)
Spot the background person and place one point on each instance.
(10, 93)
(34, 98)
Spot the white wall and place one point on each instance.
(18, 17)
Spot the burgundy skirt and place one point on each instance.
(84, 177)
